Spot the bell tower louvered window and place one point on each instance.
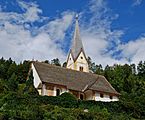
(81, 68)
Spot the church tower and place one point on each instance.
(76, 58)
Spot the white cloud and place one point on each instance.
(99, 40)
(20, 39)
(18, 42)
(31, 11)
(137, 2)
(31, 14)
(134, 50)
(103, 44)
(57, 28)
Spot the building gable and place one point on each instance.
(70, 61)
(37, 80)
(81, 63)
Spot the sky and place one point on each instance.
(112, 31)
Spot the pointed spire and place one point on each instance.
(77, 45)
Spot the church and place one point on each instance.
(76, 78)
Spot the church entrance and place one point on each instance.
(81, 96)
(57, 92)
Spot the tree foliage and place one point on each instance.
(19, 100)
(55, 62)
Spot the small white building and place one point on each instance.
(75, 78)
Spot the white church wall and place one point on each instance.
(44, 91)
(37, 80)
(70, 62)
(40, 91)
(115, 98)
(82, 62)
(63, 90)
(83, 59)
(52, 92)
(105, 98)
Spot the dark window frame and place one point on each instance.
(111, 97)
(101, 95)
(81, 68)
(81, 97)
(58, 92)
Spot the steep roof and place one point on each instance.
(77, 45)
(73, 80)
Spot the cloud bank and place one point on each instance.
(21, 39)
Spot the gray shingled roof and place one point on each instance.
(77, 45)
(73, 80)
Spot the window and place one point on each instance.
(81, 68)
(81, 96)
(81, 57)
(69, 58)
(101, 95)
(57, 92)
(111, 97)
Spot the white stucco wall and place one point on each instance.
(44, 91)
(37, 80)
(70, 62)
(63, 90)
(53, 92)
(40, 91)
(106, 98)
(78, 63)
(82, 63)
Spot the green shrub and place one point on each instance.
(67, 100)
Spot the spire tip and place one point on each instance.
(77, 16)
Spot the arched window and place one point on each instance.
(101, 95)
(57, 92)
(81, 96)
(81, 68)
(111, 97)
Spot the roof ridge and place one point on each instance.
(60, 67)
(88, 86)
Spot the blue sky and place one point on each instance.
(112, 31)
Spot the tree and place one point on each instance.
(12, 84)
(30, 89)
(47, 61)
(22, 71)
(133, 66)
(141, 69)
(64, 64)
(99, 69)
(55, 62)
(108, 73)
(11, 70)
(92, 66)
